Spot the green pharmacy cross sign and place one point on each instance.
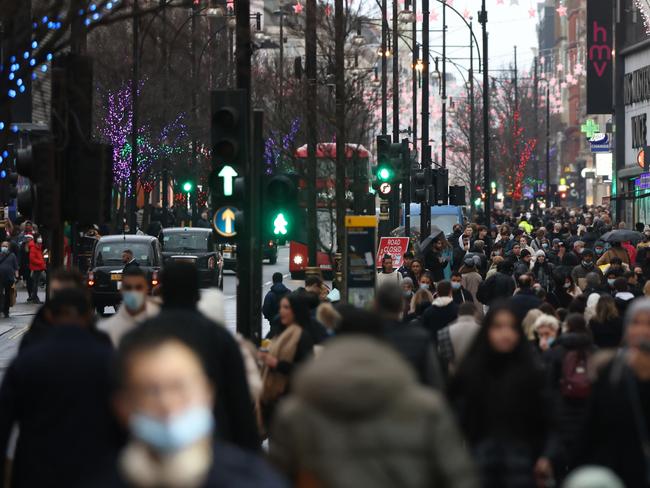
(590, 128)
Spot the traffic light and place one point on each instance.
(384, 172)
(421, 185)
(441, 186)
(281, 206)
(41, 201)
(8, 176)
(188, 186)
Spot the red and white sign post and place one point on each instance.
(393, 246)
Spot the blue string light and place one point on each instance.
(32, 62)
(5, 154)
(87, 22)
(95, 16)
(14, 128)
(34, 44)
(12, 59)
(49, 56)
(109, 5)
(3, 174)
(11, 76)
(19, 81)
(44, 19)
(12, 93)
(2, 126)
(93, 7)
(26, 55)
(44, 68)
(21, 89)
(34, 76)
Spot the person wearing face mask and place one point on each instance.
(546, 329)
(136, 306)
(36, 267)
(165, 399)
(8, 276)
(408, 292)
(459, 293)
(586, 266)
(426, 283)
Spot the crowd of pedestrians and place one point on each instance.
(512, 357)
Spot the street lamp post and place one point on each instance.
(483, 19)
(444, 85)
(384, 69)
(132, 219)
(472, 128)
(425, 208)
(548, 147)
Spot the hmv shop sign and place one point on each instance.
(599, 62)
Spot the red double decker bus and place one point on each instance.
(357, 164)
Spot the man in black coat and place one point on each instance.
(179, 316)
(271, 305)
(58, 393)
(499, 286)
(128, 260)
(525, 299)
(442, 312)
(410, 340)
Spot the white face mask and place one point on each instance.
(39, 241)
(424, 286)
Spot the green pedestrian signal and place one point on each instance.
(280, 225)
(187, 186)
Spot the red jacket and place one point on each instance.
(36, 260)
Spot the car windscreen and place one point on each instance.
(110, 253)
(186, 242)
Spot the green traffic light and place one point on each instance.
(384, 173)
(280, 225)
(187, 186)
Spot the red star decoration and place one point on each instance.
(297, 8)
(466, 14)
(499, 2)
(531, 12)
(328, 10)
(561, 11)
(434, 16)
(450, 3)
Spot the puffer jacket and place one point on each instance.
(358, 418)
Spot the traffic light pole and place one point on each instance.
(133, 177)
(486, 114)
(246, 238)
(406, 187)
(310, 107)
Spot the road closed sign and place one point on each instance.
(395, 247)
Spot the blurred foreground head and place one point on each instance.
(180, 285)
(389, 301)
(164, 393)
(592, 477)
(69, 306)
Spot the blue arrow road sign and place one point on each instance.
(224, 221)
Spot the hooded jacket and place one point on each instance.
(358, 418)
(271, 305)
(439, 315)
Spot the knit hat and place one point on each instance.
(524, 253)
(540, 253)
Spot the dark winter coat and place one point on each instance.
(608, 334)
(499, 286)
(616, 426)
(461, 296)
(225, 367)
(442, 312)
(271, 305)
(58, 392)
(8, 269)
(231, 468)
(524, 301)
(570, 412)
(413, 342)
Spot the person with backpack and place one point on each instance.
(271, 306)
(567, 362)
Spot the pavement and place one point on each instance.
(13, 328)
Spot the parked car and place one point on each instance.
(105, 275)
(195, 245)
(229, 253)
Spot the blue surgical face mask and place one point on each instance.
(455, 285)
(610, 282)
(175, 433)
(550, 341)
(133, 300)
(4, 250)
(424, 286)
